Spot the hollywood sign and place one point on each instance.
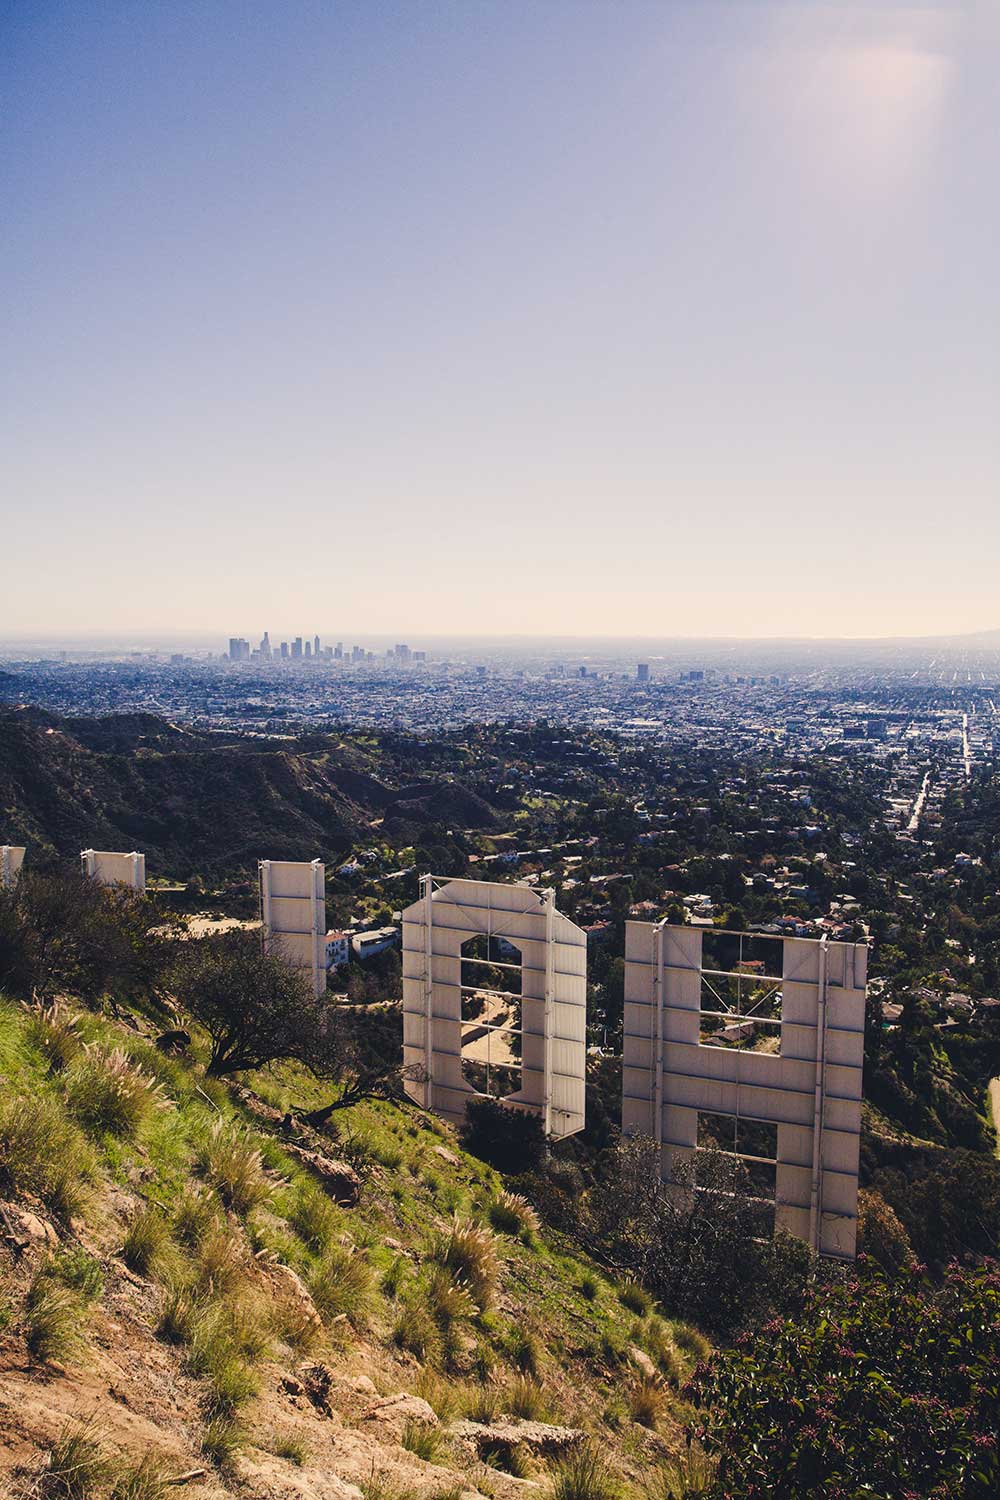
(748, 1045)
(740, 1043)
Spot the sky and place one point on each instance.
(547, 317)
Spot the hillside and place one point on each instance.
(198, 802)
(176, 1278)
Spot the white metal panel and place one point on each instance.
(811, 1088)
(11, 860)
(553, 997)
(293, 915)
(115, 869)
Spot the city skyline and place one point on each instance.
(654, 321)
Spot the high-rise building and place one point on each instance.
(297, 648)
(284, 651)
(338, 651)
(642, 672)
(239, 649)
(309, 649)
(265, 647)
(315, 645)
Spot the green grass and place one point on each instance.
(233, 1164)
(43, 1153)
(109, 1095)
(422, 1439)
(145, 1242)
(77, 1467)
(343, 1287)
(53, 1325)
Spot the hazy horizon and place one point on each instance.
(580, 321)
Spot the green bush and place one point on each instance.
(510, 1140)
(883, 1386)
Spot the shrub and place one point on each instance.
(469, 1253)
(53, 1322)
(883, 1386)
(423, 1440)
(510, 1140)
(108, 1095)
(42, 1153)
(589, 1287)
(255, 1007)
(77, 1467)
(881, 1234)
(343, 1286)
(511, 1214)
(145, 1241)
(583, 1475)
(233, 1165)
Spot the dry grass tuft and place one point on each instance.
(146, 1241)
(54, 1319)
(511, 1214)
(235, 1168)
(648, 1402)
(109, 1095)
(41, 1152)
(343, 1287)
(55, 1033)
(469, 1253)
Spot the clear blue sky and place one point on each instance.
(558, 316)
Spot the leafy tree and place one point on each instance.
(884, 1386)
(63, 932)
(702, 1243)
(255, 1007)
(510, 1140)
